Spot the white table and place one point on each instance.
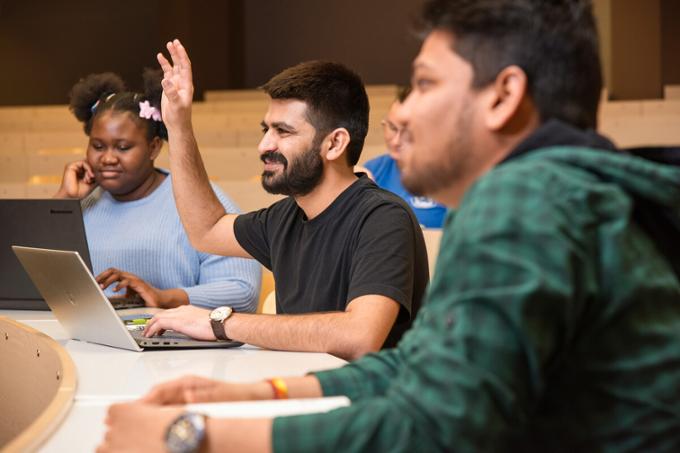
(107, 375)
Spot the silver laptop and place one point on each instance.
(77, 301)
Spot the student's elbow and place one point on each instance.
(367, 324)
(361, 344)
(202, 242)
(366, 347)
(250, 298)
(195, 236)
(196, 243)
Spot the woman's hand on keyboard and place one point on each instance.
(153, 297)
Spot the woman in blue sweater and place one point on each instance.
(137, 242)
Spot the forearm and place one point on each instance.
(227, 281)
(252, 435)
(198, 206)
(335, 333)
(173, 297)
(299, 387)
(255, 434)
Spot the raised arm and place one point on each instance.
(209, 227)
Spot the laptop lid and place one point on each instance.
(52, 224)
(77, 301)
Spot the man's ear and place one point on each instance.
(155, 146)
(504, 97)
(336, 143)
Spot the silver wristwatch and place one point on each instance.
(186, 433)
(217, 318)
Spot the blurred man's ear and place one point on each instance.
(505, 97)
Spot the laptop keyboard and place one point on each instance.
(120, 303)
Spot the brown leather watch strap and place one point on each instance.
(218, 330)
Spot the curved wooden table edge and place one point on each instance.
(55, 413)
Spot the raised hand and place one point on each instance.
(78, 181)
(178, 86)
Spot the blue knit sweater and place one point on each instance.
(146, 237)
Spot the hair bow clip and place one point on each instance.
(146, 110)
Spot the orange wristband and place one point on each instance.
(280, 388)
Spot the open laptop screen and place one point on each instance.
(52, 223)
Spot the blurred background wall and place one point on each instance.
(46, 46)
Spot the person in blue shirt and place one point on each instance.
(385, 172)
(134, 233)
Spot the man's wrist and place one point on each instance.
(279, 388)
(255, 391)
(217, 318)
(182, 129)
(186, 434)
(229, 324)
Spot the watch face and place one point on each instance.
(220, 313)
(185, 434)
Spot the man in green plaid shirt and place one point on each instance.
(553, 319)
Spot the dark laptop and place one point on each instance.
(52, 224)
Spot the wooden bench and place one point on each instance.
(37, 142)
(642, 131)
(671, 92)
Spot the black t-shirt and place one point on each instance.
(367, 241)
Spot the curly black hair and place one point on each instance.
(98, 93)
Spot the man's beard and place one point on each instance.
(301, 178)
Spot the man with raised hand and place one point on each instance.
(348, 258)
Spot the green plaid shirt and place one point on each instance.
(552, 323)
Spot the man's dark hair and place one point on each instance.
(335, 97)
(97, 93)
(554, 41)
